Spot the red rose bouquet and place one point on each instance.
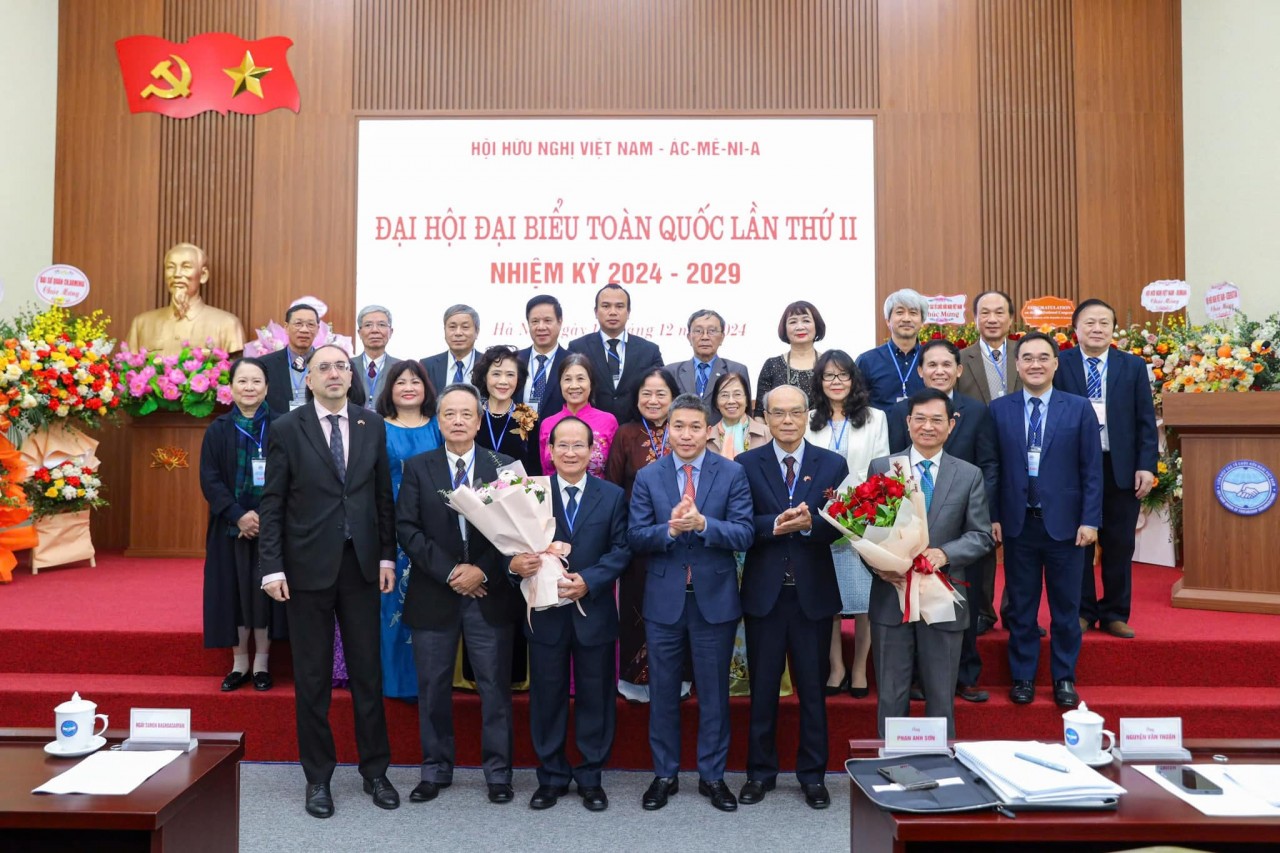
(885, 521)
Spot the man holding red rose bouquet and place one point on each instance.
(959, 534)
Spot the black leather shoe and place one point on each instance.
(425, 792)
(501, 792)
(384, 794)
(659, 790)
(234, 681)
(1022, 692)
(547, 795)
(754, 791)
(816, 795)
(984, 625)
(837, 689)
(319, 800)
(859, 692)
(262, 680)
(971, 693)
(1064, 693)
(594, 799)
(720, 795)
(917, 693)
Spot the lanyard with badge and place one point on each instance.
(258, 464)
(570, 520)
(298, 383)
(658, 452)
(1099, 403)
(488, 421)
(1033, 450)
(903, 377)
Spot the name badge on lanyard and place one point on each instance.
(258, 466)
(1033, 462)
(1100, 409)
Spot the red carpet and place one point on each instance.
(128, 633)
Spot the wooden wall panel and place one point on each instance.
(928, 213)
(1027, 148)
(206, 168)
(304, 169)
(1128, 103)
(664, 55)
(106, 188)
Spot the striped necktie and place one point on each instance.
(926, 483)
(1093, 388)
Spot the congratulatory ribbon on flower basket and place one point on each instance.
(514, 513)
(885, 521)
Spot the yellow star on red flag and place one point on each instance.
(247, 76)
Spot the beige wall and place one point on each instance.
(1231, 139)
(28, 113)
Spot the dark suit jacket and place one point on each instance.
(972, 439)
(552, 399)
(1131, 415)
(1070, 466)
(724, 499)
(958, 524)
(360, 374)
(304, 502)
(640, 355)
(429, 535)
(280, 389)
(599, 553)
(809, 556)
(686, 377)
(440, 368)
(973, 381)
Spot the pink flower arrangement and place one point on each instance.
(273, 337)
(193, 382)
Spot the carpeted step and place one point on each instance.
(268, 718)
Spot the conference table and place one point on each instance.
(191, 805)
(1147, 815)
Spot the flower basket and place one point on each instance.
(62, 538)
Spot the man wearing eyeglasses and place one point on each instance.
(698, 375)
(287, 368)
(591, 516)
(955, 497)
(328, 549)
(1048, 507)
(373, 325)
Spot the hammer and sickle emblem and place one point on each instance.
(178, 88)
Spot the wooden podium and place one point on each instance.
(167, 511)
(1229, 561)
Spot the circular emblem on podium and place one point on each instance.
(1245, 487)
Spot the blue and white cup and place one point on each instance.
(1082, 732)
(75, 720)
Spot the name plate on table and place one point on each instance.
(906, 735)
(1151, 738)
(160, 728)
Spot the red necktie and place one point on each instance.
(689, 492)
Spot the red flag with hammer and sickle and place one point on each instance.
(211, 71)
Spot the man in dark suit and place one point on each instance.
(955, 497)
(690, 511)
(541, 391)
(1048, 507)
(619, 357)
(973, 439)
(698, 375)
(789, 593)
(454, 365)
(1117, 386)
(591, 516)
(990, 370)
(373, 325)
(287, 368)
(328, 547)
(458, 587)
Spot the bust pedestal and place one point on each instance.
(167, 511)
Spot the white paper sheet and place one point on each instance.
(109, 772)
(1234, 801)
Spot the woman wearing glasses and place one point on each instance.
(637, 444)
(843, 420)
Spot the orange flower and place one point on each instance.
(1158, 373)
(1162, 348)
(1224, 351)
(1257, 368)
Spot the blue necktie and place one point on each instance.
(457, 372)
(926, 483)
(1093, 390)
(615, 361)
(571, 508)
(704, 373)
(1034, 440)
(539, 381)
